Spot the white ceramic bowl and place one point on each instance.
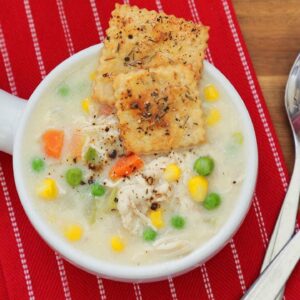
(14, 111)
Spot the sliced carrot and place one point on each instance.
(125, 166)
(53, 141)
(76, 144)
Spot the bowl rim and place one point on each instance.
(147, 272)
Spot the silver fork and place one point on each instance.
(285, 224)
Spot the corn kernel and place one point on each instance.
(172, 172)
(48, 189)
(85, 105)
(93, 75)
(117, 244)
(213, 117)
(211, 93)
(238, 137)
(157, 218)
(198, 187)
(73, 232)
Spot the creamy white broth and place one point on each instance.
(73, 205)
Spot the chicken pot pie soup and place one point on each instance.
(125, 207)
(137, 158)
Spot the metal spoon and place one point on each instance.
(269, 284)
(285, 224)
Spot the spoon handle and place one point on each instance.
(269, 283)
(287, 218)
(285, 224)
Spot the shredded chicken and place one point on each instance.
(140, 190)
(132, 207)
(169, 247)
(102, 134)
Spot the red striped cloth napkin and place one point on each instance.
(37, 35)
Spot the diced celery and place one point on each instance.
(111, 200)
(92, 212)
(99, 206)
(91, 155)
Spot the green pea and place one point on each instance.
(149, 234)
(63, 90)
(37, 164)
(91, 155)
(212, 201)
(178, 222)
(204, 165)
(97, 189)
(74, 176)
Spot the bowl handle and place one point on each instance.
(11, 108)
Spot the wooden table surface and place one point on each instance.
(271, 29)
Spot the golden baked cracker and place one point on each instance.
(138, 39)
(159, 109)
